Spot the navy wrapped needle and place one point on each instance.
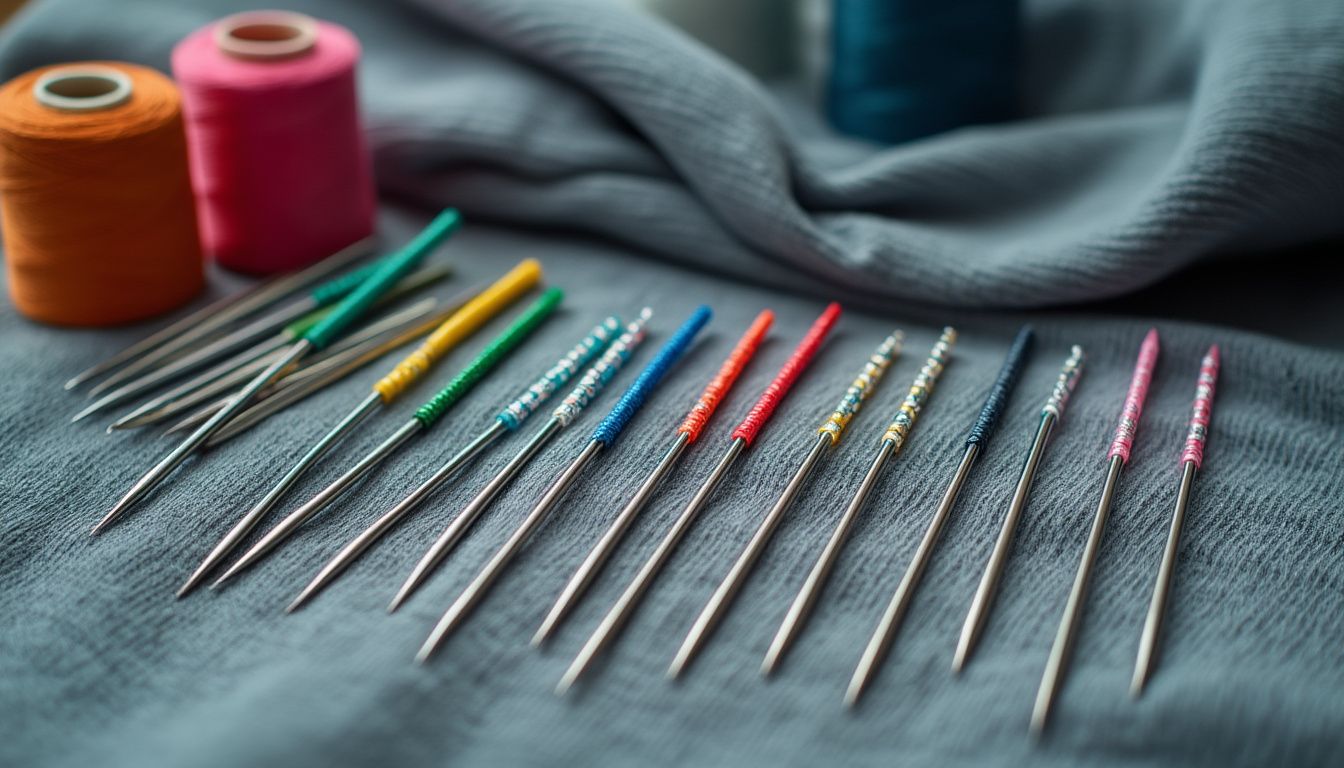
(603, 437)
(976, 442)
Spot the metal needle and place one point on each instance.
(510, 418)
(989, 581)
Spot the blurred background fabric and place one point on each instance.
(1152, 134)
(1177, 164)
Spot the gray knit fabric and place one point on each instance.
(100, 665)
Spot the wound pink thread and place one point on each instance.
(709, 400)
(788, 373)
(1138, 392)
(280, 166)
(1199, 419)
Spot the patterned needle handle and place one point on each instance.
(918, 396)
(515, 413)
(1065, 383)
(1138, 392)
(596, 377)
(1011, 371)
(1199, 419)
(788, 373)
(389, 271)
(494, 352)
(718, 387)
(625, 409)
(863, 385)
(459, 326)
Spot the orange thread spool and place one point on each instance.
(95, 199)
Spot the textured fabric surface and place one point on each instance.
(1154, 133)
(1122, 177)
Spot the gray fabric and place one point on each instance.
(100, 665)
(1154, 133)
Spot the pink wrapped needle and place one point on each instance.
(1118, 456)
(1192, 457)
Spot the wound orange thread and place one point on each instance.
(95, 199)
(788, 374)
(703, 409)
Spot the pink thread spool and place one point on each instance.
(280, 167)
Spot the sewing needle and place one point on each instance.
(1051, 412)
(976, 443)
(1192, 458)
(509, 419)
(742, 437)
(390, 271)
(893, 439)
(604, 436)
(828, 436)
(687, 432)
(1118, 456)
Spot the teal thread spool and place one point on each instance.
(905, 69)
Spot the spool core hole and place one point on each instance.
(82, 89)
(266, 35)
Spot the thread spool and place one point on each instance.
(95, 199)
(279, 162)
(897, 70)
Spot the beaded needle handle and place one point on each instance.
(1065, 383)
(1203, 409)
(1003, 386)
(596, 377)
(863, 385)
(915, 399)
(457, 327)
(514, 414)
(713, 394)
(788, 374)
(1138, 393)
(611, 427)
(392, 269)
(489, 357)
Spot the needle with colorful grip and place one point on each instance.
(1051, 413)
(604, 436)
(687, 433)
(1192, 458)
(828, 436)
(452, 332)
(742, 437)
(390, 271)
(310, 311)
(1118, 456)
(592, 383)
(199, 324)
(509, 419)
(893, 439)
(420, 423)
(977, 443)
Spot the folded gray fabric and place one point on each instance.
(1154, 134)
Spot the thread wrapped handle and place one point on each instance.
(514, 414)
(1198, 432)
(391, 270)
(714, 391)
(339, 287)
(1009, 373)
(636, 394)
(596, 377)
(864, 384)
(1138, 392)
(1065, 383)
(494, 352)
(459, 326)
(920, 390)
(802, 355)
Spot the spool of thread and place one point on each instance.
(280, 166)
(95, 198)
(904, 69)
